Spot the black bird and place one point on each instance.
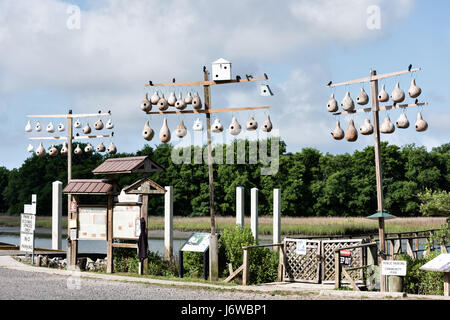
(265, 76)
(329, 83)
(150, 83)
(173, 80)
(109, 111)
(238, 77)
(409, 68)
(417, 101)
(204, 68)
(99, 111)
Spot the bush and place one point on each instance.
(419, 281)
(126, 260)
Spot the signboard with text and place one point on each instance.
(393, 268)
(345, 257)
(126, 221)
(197, 242)
(91, 223)
(300, 248)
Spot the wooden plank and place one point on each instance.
(234, 274)
(207, 111)
(352, 283)
(91, 137)
(337, 270)
(143, 266)
(125, 245)
(80, 115)
(409, 250)
(373, 77)
(47, 138)
(399, 106)
(264, 246)
(204, 83)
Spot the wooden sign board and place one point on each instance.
(92, 223)
(126, 221)
(440, 264)
(197, 242)
(393, 268)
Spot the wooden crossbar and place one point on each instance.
(373, 78)
(80, 115)
(207, 111)
(204, 83)
(369, 109)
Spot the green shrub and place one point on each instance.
(419, 281)
(127, 260)
(193, 264)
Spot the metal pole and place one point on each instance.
(213, 247)
(378, 171)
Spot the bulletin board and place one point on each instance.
(92, 223)
(126, 221)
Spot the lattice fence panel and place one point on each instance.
(328, 264)
(303, 268)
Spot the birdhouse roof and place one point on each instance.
(128, 165)
(221, 60)
(381, 214)
(90, 186)
(144, 186)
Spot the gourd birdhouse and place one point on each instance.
(414, 91)
(188, 98)
(101, 147)
(234, 128)
(64, 149)
(383, 96)
(172, 99)
(347, 103)
(109, 124)
(398, 95)
(402, 122)
(338, 133)
(30, 148)
(264, 90)
(366, 128)
(78, 150)
(351, 134)
(421, 125)
(53, 152)
(148, 132)
(162, 103)
(332, 104)
(40, 151)
(50, 128)
(181, 131)
(146, 105)
(61, 127)
(387, 126)
(251, 124)
(28, 127)
(87, 129)
(180, 104)
(196, 102)
(77, 124)
(221, 70)
(217, 126)
(362, 99)
(88, 149)
(267, 125)
(164, 133)
(155, 98)
(112, 148)
(98, 125)
(38, 127)
(198, 125)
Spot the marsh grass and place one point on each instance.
(310, 226)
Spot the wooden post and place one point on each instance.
(74, 247)
(213, 246)
(281, 264)
(69, 177)
(109, 253)
(168, 224)
(378, 170)
(143, 266)
(337, 271)
(254, 212)
(56, 214)
(276, 217)
(245, 276)
(447, 284)
(240, 200)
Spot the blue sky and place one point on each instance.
(301, 45)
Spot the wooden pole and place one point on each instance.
(213, 247)
(143, 266)
(69, 177)
(378, 168)
(109, 253)
(245, 276)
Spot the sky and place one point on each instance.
(53, 60)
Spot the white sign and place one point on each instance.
(129, 198)
(29, 208)
(124, 221)
(198, 242)
(26, 242)
(27, 223)
(92, 223)
(393, 268)
(301, 247)
(441, 263)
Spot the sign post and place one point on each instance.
(27, 227)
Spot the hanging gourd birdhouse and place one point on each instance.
(87, 129)
(414, 91)
(146, 105)
(251, 124)
(148, 132)
(155, 98)
(78, 150)
(188, 98)
(332, 104)
(109, 124)
(198, 125)
(53, 152)
(265, 91)
(98, 125)
(50, 128)
(234, 128)
(221, 70)
(366, 128)
(402, 122)
(351, 134)
(383, 96)
(101, 147)
(30, 148)
(196, 102)
(64, 149)
(180, 104)
(172, 99)
(164, 133)
(362, 99)
(28, 127)
(421, 125)
(398, 95)
(38, 127)
(181, 131)
(347, 103)
(112, 148)
(61, 127)
(40, 151)
(77, 124)
(387, 126)
(267, 125)
(88, 149)
(216, 126)
(338, 133)
(162, 103)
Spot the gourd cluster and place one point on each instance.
(387, 127)
(173, 101)
(86, 129)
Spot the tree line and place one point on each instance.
(311, 183)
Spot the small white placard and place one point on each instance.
(26, 242)
(29, 209)
(393, 268)
(301, 247)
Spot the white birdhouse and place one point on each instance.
(264, 90)
(221, 70)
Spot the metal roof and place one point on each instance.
(128, 165)
(89, 186)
